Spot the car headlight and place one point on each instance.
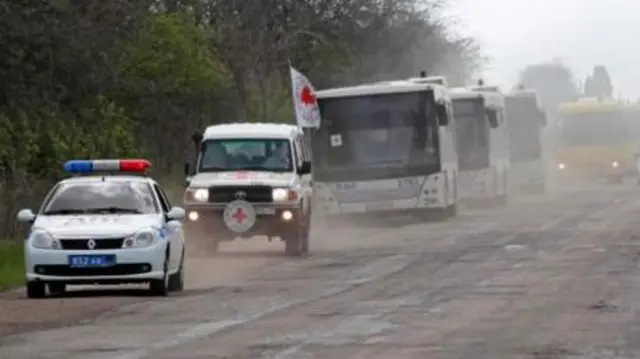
(284, 195)
(615, 164)
(561, 166)
(140, 239)
(197, 194)
(43, 240)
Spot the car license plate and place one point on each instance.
(265, 210)
(91, 261)
(379, 206)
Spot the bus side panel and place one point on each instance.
(500, 150)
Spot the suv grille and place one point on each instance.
(248, 193)
(82, 244)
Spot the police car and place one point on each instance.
(106, 225)
(248, 180)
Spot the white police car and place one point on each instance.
(109, 227)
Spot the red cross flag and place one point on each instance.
(304, 100)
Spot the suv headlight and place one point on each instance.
(42, 239)
(143, 238)
(284, 195)
(197, 194)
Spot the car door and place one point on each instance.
(174, 230)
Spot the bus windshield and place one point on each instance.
(472, 134)
(376, 136)
(595, 129)
(524, 129)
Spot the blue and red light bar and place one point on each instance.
(93, 166)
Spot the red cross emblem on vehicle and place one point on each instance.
(239, 215)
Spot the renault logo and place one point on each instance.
(240, 195)
(91, 244)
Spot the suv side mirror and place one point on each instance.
(441, 111)
(492, 116)
(305, 169)
(196, 137)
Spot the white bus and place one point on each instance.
(527, 120)
(482, 144)
(385, 148)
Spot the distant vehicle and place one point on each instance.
(385, 148)
(597, 138)
(482, 143)
(250, 179)
(527, 120)
(108, 227)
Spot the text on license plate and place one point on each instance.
(378, 206)
(88, 261)
(265, 210)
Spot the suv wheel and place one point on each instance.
(297, 240)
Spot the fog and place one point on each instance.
(514, 33)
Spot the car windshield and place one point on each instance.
(246, 154)
(106, 197)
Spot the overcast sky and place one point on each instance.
(581, 32)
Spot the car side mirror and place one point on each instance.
(176, 214)
(187, 168)
(441, 111)
(305, 169)
(492, 116)
(26, 216)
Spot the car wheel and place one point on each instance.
(57, 288)
(36, 290)
(160, 287)
(176, 281)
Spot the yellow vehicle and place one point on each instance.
(597, 138)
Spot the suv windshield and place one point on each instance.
(246, 154)
(101, 197)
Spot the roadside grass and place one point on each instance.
(11, 264)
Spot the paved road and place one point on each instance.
(546, 278)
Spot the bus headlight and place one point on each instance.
(561, 166)
(615, 164)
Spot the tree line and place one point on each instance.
(556, 82)
(123, 78)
